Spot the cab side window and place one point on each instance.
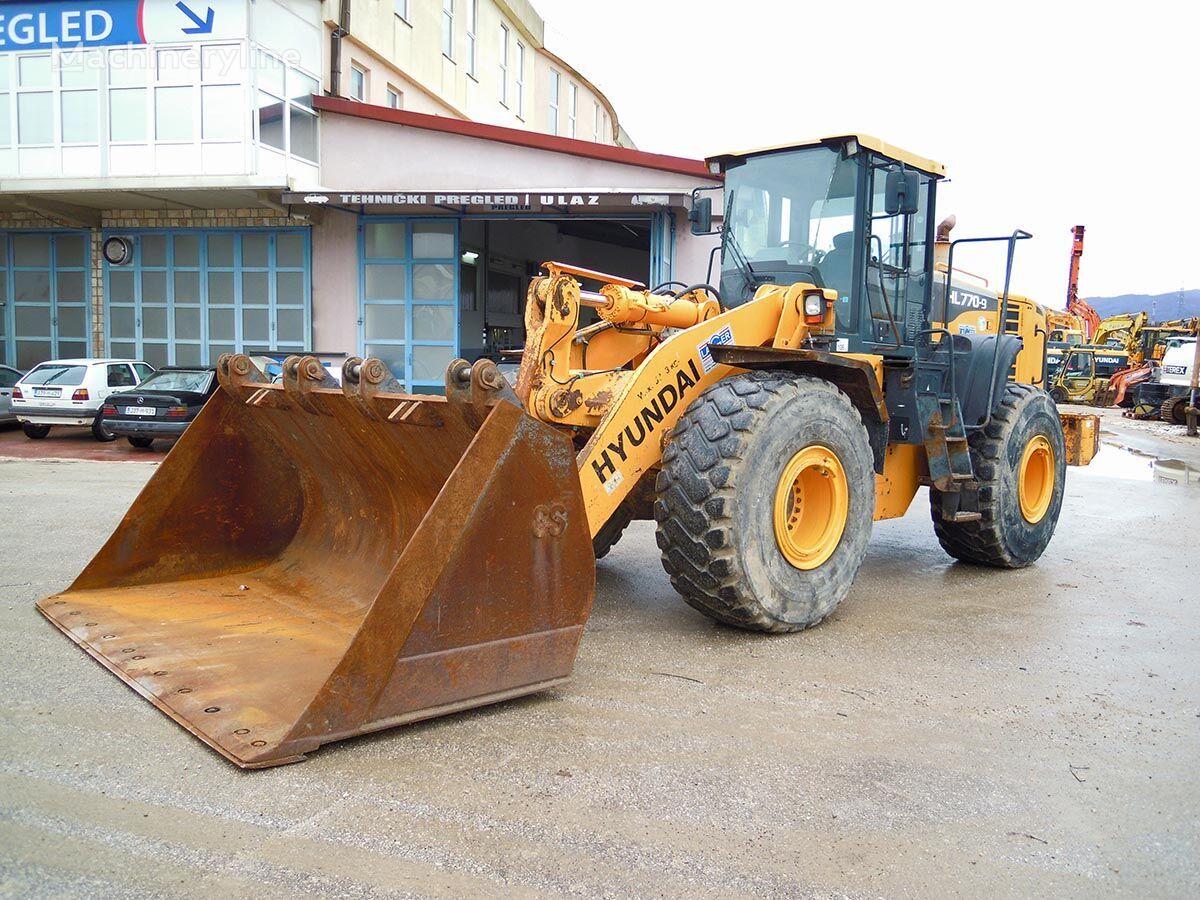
(120, 375)
(1079, 365)
(8, 378)
(144, 371)
(896, 260)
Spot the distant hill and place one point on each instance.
(1161, 307)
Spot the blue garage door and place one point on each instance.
(408, 296)
(45, 303)
(189, 296)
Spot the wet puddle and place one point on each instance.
(1117, 461)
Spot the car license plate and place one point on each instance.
(139, 410)
(45, 392)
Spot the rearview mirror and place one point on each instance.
(902, 193)
(700, 215)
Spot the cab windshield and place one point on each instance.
(788, 216)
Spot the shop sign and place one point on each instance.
(488, 201)
(71, 24)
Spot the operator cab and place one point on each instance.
(849, 213)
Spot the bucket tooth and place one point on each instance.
(240, 377)
(473, 389)
(301, 376)
(375, 392)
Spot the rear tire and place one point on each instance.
(1022, 444)
(100, 433)
(764, 468)
(35, 432)
(1058, 395)
(142, 443)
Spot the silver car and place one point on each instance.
(8, 377)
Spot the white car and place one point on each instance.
(8, 377)
(71, 392)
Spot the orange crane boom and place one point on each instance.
(1081, 308)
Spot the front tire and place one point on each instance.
(1020, 463)
(35, 432)
(765, 501)
(1058, 395)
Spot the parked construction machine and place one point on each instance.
(1087, 317)
(315, 560)
(1167, 395)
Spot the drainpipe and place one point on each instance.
(335, 49)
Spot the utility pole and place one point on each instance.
(1192, 412)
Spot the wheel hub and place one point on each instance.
(1035, 479)
(812, 501)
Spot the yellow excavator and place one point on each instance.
(316, 560)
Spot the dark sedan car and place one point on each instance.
(161, 406)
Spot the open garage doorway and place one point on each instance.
(499, 257)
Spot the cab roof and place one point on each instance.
(929, 166)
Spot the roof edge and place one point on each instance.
(518, 137)
(929, 166)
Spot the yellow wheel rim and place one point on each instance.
(1035, 479)
(812, 501)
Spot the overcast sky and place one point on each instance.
(1047, 114)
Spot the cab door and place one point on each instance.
(1079, 374)
(898, 266)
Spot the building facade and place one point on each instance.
(345, 177)
(481, 60)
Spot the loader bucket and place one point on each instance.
(314, 561)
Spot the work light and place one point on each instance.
(814, 307)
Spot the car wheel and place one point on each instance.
(142, 443)
(35, 432)
(100, 433)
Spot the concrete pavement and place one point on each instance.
(950, 731)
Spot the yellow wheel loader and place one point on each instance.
(314, 561)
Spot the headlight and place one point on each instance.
(814, 306)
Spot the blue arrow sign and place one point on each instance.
(70, 24)
(202, 26)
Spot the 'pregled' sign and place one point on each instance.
(71, 24)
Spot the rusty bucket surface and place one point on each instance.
(312, 562)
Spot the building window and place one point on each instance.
(173, 114)
(472, 20)
(395, 98)
(358, 84)
(552, 118)
(596, 120)
(35, 119)
(285, 118)
(409, 296)
(190, 296)
(520, 80)
(216, 100)
(572, 104)
(127, 115)
(401, 8)
(46, 278)
(448, 29)
(503, 64)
